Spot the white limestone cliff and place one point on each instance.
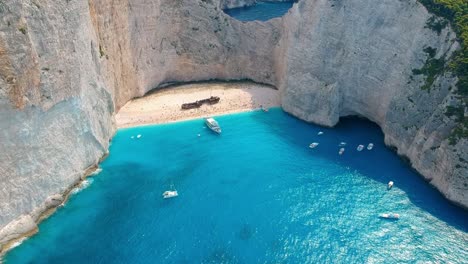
(55, 111)
(358, 61)
(67, 66)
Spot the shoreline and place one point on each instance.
(157, 107)
(44, 211)
(149, 103)
(164, 105)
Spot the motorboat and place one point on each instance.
(390, 185)
(360, 148)
(213, 125)
(170, 194)
(370, 146)
(139, 136)
(320, 133)
(313, 145)
(389, 216)
(342, 144)
(341, 151)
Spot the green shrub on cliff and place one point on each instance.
(431, 69)
(456, 12)
(2, 6)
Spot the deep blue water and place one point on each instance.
(262, 11)
(255, 194)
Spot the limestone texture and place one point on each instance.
(66, 67)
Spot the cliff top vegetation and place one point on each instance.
(456, 12)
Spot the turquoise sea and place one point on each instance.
(262, 11)
(255, 194)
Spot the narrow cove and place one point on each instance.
(256, 193)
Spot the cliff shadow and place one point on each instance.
(381, 164)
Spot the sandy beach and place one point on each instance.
(164, 105)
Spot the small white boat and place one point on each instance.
(139, 136)
(213, 125)
(170, 194)
(360, 147)
(320, 133)
(389, 216)
(341, 151)
(342, 144)
(390, 185)
(313, 145)
(370, 146)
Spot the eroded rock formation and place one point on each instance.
(67, 66)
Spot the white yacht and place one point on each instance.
(360, 147)
(390, 185)
(341, 151)
(370, 146)
(390, 216)
(313, 145)
(170, 194)
(213, 125)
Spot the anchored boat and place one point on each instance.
(389, 216)
(170, 194)
(341, 151)
(313, 145)
(213, 125)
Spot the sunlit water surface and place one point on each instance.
(255, 194)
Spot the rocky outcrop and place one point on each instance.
(67, 66)
(359, 61)
(55, 110)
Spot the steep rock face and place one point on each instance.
(146, 43)
(55, 111)
(355, 58)
(66, 66)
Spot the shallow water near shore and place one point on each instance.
(261, 11)
(255, 194)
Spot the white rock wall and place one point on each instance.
(77, 62)
(55, 111)
(356, 58)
